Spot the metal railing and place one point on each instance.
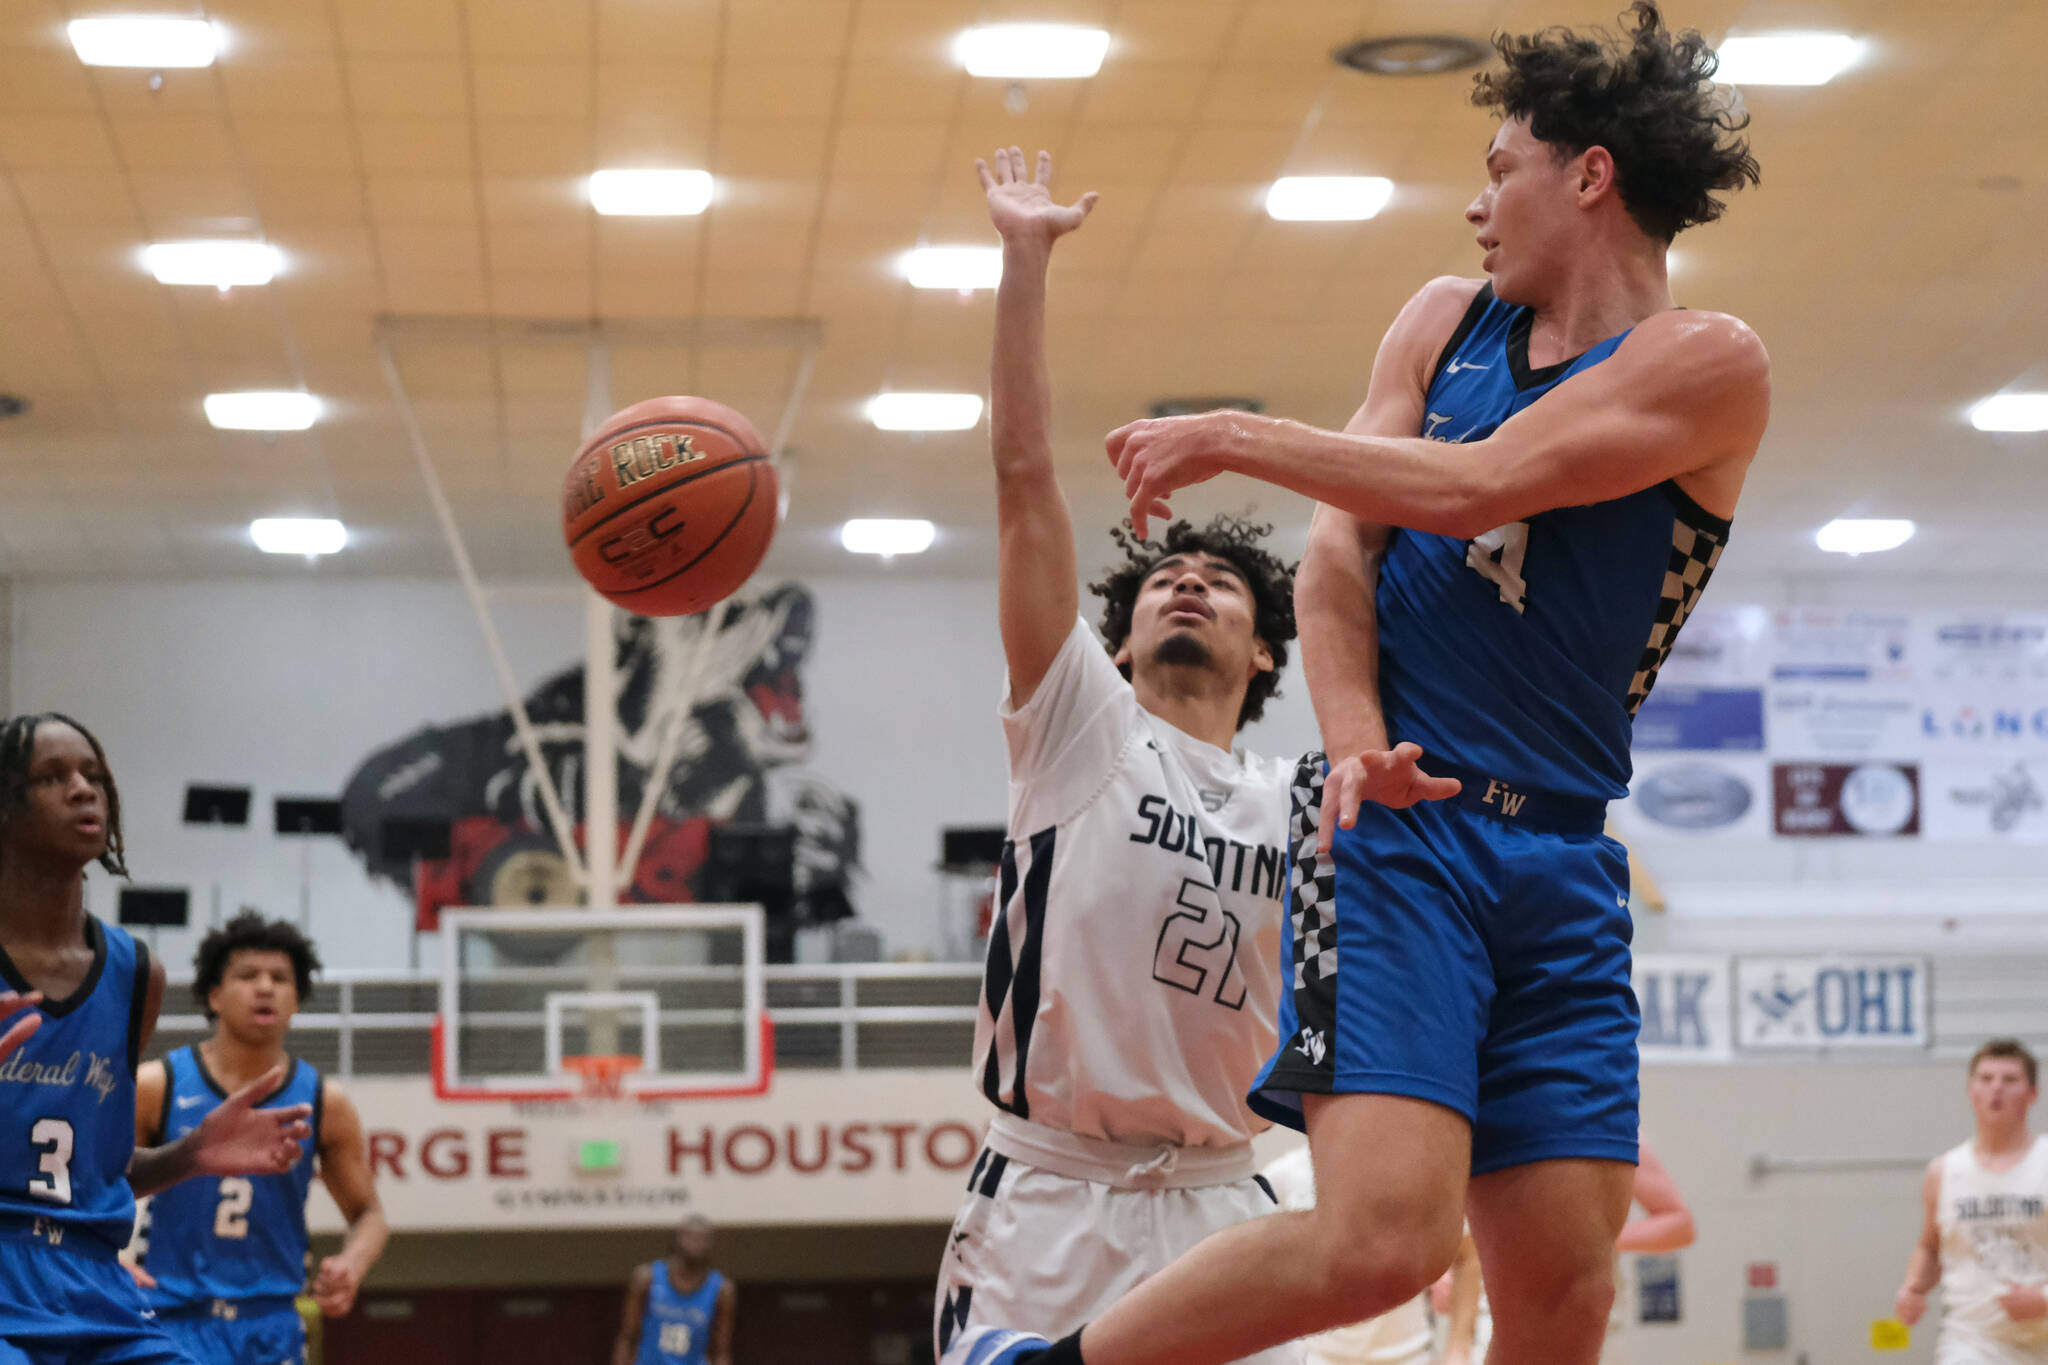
(860, 1016)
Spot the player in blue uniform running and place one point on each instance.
(227, 1258)
(679, 1311)
(69, 1165)
(1561, 450)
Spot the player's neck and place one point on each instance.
(1190, 700)
(2004, 1138)
(1598, 294)
(234, 1063)
(42, 905)
(685, 1276)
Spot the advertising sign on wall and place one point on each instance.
(1818, 800)
(1806, 1002)
(1685, 1009)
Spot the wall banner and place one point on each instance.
(1811, 1002)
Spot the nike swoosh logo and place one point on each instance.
(1460, 366)
(189, 1100)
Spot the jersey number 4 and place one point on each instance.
(1497, 556)
(1197, 943)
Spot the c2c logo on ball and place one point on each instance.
(1694, 796)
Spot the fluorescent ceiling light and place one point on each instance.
(650, 193)
(1032, 51)
(1328, 198)
(262, 410)
(221, 264)
(954, 267)
(866, 536)
(924, 411)
(1857, 536)
(298, 535)
(1786, 58)
(144, 40)
(2011, 412)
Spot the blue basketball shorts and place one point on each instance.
(1458, 953)
(70, 1302)
(239, 1332)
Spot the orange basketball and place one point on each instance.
(671, 505)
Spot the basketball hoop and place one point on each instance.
(604, 1074)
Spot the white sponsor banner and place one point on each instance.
(1823, 645)
(1697, 795)
(1720, 647)
(1995, 649)
(1685, 1008)
(1813, 1002)
(1831, 720)
(2004, 801)
(819, 1147)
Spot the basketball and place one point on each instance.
(670, 506)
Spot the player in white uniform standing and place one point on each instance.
(1400, 1336)
(1132, 983)
(1985, 1237)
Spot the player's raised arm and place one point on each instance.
(1037, 591)
(237, 1138)
(345, 1170)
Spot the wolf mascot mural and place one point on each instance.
(727, 679)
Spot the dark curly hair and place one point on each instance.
(17, 753)
(1647, 96)
(249, 930)
(1229, 538)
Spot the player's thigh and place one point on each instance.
(1557, 1066)
(1545, 1233)
(1390, 1182)
(1392, 981)
(150, 1345)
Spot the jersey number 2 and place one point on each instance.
(231, 1219)
(53, 1185)
(1497, 556)
(1198, 942)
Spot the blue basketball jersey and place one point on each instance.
(675, 1328)
(1524, 653)
(67, 1098)
(229, 1237)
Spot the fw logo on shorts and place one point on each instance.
(1314, 1044)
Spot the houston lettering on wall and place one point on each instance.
(887, 1147)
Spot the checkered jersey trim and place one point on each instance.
(1695, 550)
(1312, 890)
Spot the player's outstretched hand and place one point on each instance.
(1021, 206)
(12, 1004)
(334, 1288)
(1387, 777)
(1158, 456)
(237, 1138)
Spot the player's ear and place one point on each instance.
(1122, 657)
(1262, 657)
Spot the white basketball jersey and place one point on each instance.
(1994, 1235)
(1133, 972)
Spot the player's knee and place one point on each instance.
(1556, 1298)
(1361, 1275)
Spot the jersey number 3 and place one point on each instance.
(1497, 556)
(53, 1184)
(1199, 942)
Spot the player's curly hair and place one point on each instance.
(251, 931)
(17, 752)
(1235, 539)
(1647, 96)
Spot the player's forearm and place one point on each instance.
(622, 1351)
(1339, 627)
(368, 1232)
(1658, 1232)
(1394, 481)
(158, 1168)
(1923, 1270)
(1020, 383)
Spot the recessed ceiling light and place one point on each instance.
(1786, 58)
(953, 267)
(2011, 412)
(262, 410)
(880, 536)
(924, 411)
(144, 40)
(650, 193)
(221, 264)
(1327, 198)
(1862, 536)
(298, 535)
(1032, 51)
(1413, 54)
